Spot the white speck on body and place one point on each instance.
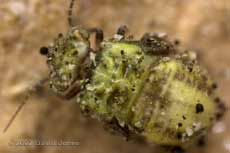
(189, 131)
(138, 124)
(122, 123)
(184, 137)
(71, 66)
(197, 126)
(133, 109)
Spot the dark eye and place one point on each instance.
(44, 50)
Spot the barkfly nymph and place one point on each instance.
(137, 88)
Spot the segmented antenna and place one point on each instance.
(70, 13)
(29, 92)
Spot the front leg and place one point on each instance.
(99, 37)
(122, 30)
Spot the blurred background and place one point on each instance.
(26, 25)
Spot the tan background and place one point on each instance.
(25, 25)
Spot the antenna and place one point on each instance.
(29, 92)
(70, 13)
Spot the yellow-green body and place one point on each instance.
(149, 96)
(138, 88)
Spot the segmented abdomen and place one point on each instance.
(174, 107)
(162, 99)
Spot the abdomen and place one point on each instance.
(150, 96)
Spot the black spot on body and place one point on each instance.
(122, 52)
(199, 108)
(190, 68)
(184, 118)
(180, 124)
(179, 135)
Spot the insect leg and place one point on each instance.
(99, 36)
(72, 91)
(122, 30)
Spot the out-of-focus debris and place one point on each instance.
(219, 127)
(227, 145)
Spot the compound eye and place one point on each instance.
(44, 50)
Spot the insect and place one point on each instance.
(137, 88)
